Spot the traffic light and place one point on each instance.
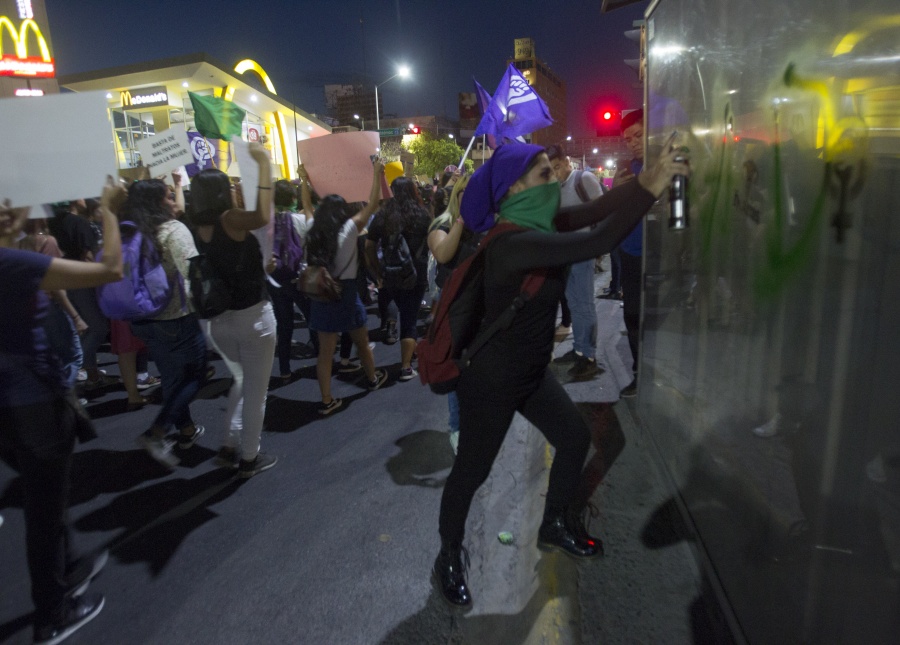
(639, 35)
(609, 122)
(414, 129)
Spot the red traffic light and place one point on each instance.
(414, 129)
(607, 115)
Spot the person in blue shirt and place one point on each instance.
(631, 248)
(38, 429)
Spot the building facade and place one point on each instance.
(548, 86)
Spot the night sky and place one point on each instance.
(304, 44)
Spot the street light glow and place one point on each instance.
(569, 138)
(403, 71)
(609, 162)
(450, 135)
(595, 151)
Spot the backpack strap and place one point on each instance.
(533, 281)
(579, 187)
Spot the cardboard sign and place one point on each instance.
(57, 147)
(340, 164)
(165, 152)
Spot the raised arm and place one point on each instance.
(361, 219)
(179, 193)
(71, 274)
(532, 249)
(445, 245)
(245, 220)
(305, 192)
(654, 180)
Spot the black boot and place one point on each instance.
(563, 530)
(449, 575)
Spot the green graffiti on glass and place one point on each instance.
(783, 262)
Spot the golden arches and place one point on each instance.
(248, 65)
(19, 38)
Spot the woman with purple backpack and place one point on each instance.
(173, 336)
(287, 255)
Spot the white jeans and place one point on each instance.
(246, 341)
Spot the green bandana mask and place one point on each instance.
(533, 208)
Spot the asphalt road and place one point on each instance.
(335, 544)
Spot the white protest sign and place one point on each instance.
(56, 148)
(249, 172)
(166, 151)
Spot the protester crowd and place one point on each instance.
(396, 251)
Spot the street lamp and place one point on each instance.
(362, 120)
(450, 135)
(402, 72)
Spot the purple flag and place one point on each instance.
(484, 100)
(516, 109)
(202, 154)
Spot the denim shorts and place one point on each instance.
(342, 315)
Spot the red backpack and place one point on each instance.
(455, 335)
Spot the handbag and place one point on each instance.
(316, 282)
(210, 294)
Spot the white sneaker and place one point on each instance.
(770, 428)
(160, 449)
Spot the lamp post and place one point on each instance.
(360, 119)
(402, 72)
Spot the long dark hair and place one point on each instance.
(321, 241)
(144, 207)
(210, 195)
(404, 207)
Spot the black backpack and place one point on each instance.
(398, 269)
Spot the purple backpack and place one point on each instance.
(145, 290)
(287, 247)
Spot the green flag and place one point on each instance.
(216, 118)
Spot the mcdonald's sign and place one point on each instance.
(19, 63)
(145, 97)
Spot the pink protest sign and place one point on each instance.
(340, 164)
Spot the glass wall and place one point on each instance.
(770, 355)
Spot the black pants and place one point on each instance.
(566, 319)
(485, 412)
(283, 301)
(41, 438)
(631, 302)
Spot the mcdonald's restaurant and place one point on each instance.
(149, 98)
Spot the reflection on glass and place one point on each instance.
(770, 326)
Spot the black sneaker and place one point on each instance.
(380, 379)
(247, 469)
(630, 390)
(328, 408)
(407, 374)
(186, 441)
(568, 357)
(76, 613)
(226, 458)
(584, 369)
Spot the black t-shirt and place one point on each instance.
(239, 264)
(415, 233)
(74, 235)
(521, 352)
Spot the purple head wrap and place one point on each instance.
(491, 182)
